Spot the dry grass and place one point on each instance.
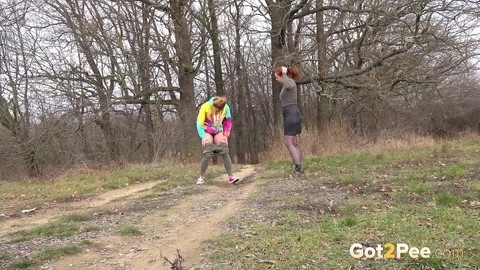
(83, 182)
(337, 140)
(334, 140)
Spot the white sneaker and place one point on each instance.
(200, 180)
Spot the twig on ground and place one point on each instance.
(177, 263)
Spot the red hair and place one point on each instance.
(293, 72)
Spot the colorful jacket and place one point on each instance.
(209, 122)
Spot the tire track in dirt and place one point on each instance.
(184, 226)
(44, 215)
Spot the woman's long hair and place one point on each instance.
(219, 102)
(293, 72)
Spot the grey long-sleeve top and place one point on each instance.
(288, 95)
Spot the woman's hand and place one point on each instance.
(284, 70)
(224, 139)
(205, 141)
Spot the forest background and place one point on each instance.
(95, 82)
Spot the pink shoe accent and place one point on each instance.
(232, 179)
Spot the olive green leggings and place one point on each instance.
(208, 152)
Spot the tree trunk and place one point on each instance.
(322, 102)
(186, 109)
(254, 138)
(241, 139)
(217, 61)
(145, 81)
(277, 13)
(22, 138)
(183, 48)
(30, 159)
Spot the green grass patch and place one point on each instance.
(76, 218)
(419, 206)
(352, 179)
(456, 171)
(293, 245)
(447, 199)
(418, 188)
(474, 186)
(356, 160)
(4, 256)
(349, 221)
(55, 229)
(453, 229)
(129, 230)
(47, 254)
(114, 184)
(21, 264)
(278, 165)
(65, 226)
(55, 253)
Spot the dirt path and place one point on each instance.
(185, 226)
(43, 216)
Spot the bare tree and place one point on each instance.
(216, 47)
(17, 45)
(86, 30)
(281, 12)
(358, 44)
(180, 15)
(121, 79)
(133, 26)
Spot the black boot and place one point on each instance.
(298, 169)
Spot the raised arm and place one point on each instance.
(288, 83)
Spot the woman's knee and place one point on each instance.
(295, 143)
(288, 141)
(219, 138)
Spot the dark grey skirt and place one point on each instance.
(292, 120)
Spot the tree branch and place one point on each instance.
(149, 101)
(154, 5)
(335, 77)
